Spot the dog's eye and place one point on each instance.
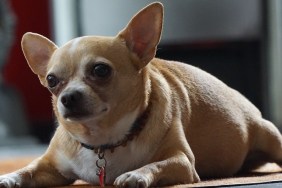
(101, 70)
(52, 81)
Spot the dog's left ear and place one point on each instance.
(143, 32)
(37, 50)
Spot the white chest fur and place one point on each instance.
(83, 165)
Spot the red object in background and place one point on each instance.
(33, 16)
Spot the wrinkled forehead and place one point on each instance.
(81, 50)
(89, 44)
(85, 46)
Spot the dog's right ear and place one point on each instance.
(143, 32)
(37, 50)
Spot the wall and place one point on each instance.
(184, 20)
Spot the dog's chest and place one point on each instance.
(123, 159)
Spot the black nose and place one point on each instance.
(71, 99)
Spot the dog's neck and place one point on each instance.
(134, 131)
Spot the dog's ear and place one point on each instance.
(143, 32)
(37, 50)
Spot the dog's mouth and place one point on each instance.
(81, 115)
(72, 115)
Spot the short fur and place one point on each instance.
(197, 125)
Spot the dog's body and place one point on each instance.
(193, 124)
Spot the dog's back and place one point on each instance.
(223, 128)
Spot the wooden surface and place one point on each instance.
(268, 173)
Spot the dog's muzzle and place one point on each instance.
(71, 100)
(73, 103)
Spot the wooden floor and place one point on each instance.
(268, 173)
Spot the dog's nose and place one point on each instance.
(70, 100)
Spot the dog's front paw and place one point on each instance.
(131, 180)
(9, 181)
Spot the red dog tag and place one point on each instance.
(102, 176)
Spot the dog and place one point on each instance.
(128, 119)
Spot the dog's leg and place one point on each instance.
(177, 169)
(39, 173)
(269, 140)
(266, 145)
(175, 163)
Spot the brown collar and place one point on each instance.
(134, 131)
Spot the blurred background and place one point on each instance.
(239, 41)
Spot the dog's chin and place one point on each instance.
(75, 117)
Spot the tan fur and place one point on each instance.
(197, 126)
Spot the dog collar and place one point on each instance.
(134, 131)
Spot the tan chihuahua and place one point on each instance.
(129, 119)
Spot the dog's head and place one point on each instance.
(96, 81)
